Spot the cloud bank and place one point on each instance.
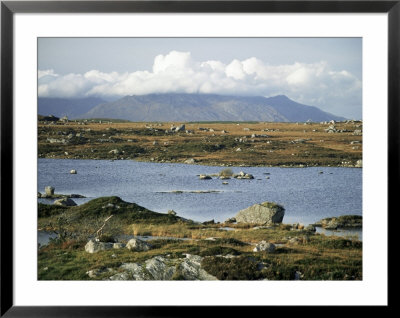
(313, 84)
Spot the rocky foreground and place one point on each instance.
(110, 239)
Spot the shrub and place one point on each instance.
(238, 268)
(226, 173)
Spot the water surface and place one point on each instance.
(307, 194)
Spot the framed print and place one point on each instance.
(163, 155)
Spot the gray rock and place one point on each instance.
(230, 220)
(172, 212)
(310, 228)
(204, 177)
(358, 164)
(264, 246)
(137, 245)
(98, 271)
(94, 246)
(136, 271)
(114, 151)
(118, 245)
(159, 269)
(49, 190)
(190, 161)
(264, 213)
(65, 202)
(191, 269)
(243, 175)
(295, 241)
(73, 171)
(121, 276)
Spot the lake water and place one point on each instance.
(306, 194)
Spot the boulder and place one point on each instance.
(73, 171)
(137, 245)
(180, 128)
(204, 177)
(230, 220)
(65, 202)
(94, 246)
(159, 268)
(243, 175)
(295, 241)
(118, 245)
(49, 190)
(190, 161)
(310, 228)
(264, 213)
(172, 212)
(344, 221)
(99, 271)
(191, 269)
(264, 246)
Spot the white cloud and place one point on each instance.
(310, 83)
(44, 73)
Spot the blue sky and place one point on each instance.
(323, 72)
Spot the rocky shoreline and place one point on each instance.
(255, 249)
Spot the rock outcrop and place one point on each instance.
(264, 213)
(264, 246)
(94, 246)
(164, 268)
(137, 245)
(344, 221)
(65, 202)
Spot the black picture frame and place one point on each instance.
(8, 8)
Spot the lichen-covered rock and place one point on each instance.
(137, 245)
(65, 202)
(159, 268)
(344, 221)
(191, 269)
(49, 190)
(264, 246)
(118, 245)
(264, 213)
(94, 246)
(99, 271)
(164, 268)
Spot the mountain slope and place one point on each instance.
(71, 107)
(207, 107)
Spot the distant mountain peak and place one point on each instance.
(208, 107)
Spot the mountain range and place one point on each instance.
(186, 107)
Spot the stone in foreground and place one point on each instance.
(163, 268)
(264, 246)
(137, 245)
(94, 246)
(264, 213)
(65, 202)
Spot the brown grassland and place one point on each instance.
(219, 143)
